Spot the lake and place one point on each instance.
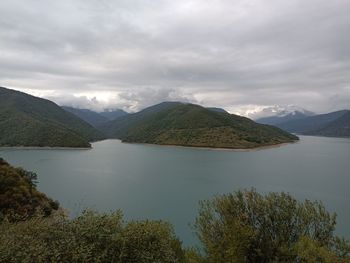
(164, 182)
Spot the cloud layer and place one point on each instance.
(241, 55)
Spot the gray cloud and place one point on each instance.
(241, 55)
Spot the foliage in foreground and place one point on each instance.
(249, 227)
(19, 198)
(91, 237)
(241, 227)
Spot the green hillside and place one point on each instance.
(95, 118)
(91, 117)
(30, 121)
(19, 198)
(192, 125)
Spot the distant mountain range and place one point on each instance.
(113, 114)
(334, 124)
(288, 116)
(95, 118)
(175, 123)
(26, 120)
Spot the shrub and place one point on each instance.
(249, 227)
(91, 237)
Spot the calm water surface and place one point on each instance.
(158, 182)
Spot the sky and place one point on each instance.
(246, 56)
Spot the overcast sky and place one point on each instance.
(242, 55)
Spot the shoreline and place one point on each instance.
(42, 148)
(48, 147)
(259, 148)
(265, 147)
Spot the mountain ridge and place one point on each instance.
(311, 124)
(185, 124)
(274, 120)
(26, 120)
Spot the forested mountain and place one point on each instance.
(174, 123)
(95, 118)
(118, 128)
(91, 117)
(26, 120)
(30, 121)
(330, 124)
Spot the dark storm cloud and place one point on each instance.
(240, 55)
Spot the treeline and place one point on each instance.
(243, 226)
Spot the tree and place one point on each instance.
(250, 227)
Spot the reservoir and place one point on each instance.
(165, 182)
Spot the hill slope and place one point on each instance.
(311, 124)
(119, 127)
(26, 120)
(19, 198)
(337, 128)
(91, 117)
(114, 114)
(174, 123)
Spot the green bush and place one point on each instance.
(249, 227)
(91, 237)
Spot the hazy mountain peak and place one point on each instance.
(280, 111)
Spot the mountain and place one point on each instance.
(175, 123)
(277, 111)
(95, 118)
(274, 120)
(119, 127)
(26, 120)
(313, 124)
(337, 128)
(113, 114)
(91, 117)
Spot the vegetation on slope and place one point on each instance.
(113, 114)
(193, 125)
(314, 125)
(120, 127)
(244, 226)
(91, 237)
(30, 121)
(19, 198)
(89, 116)
(95, 118)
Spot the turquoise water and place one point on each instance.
(160, 182)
